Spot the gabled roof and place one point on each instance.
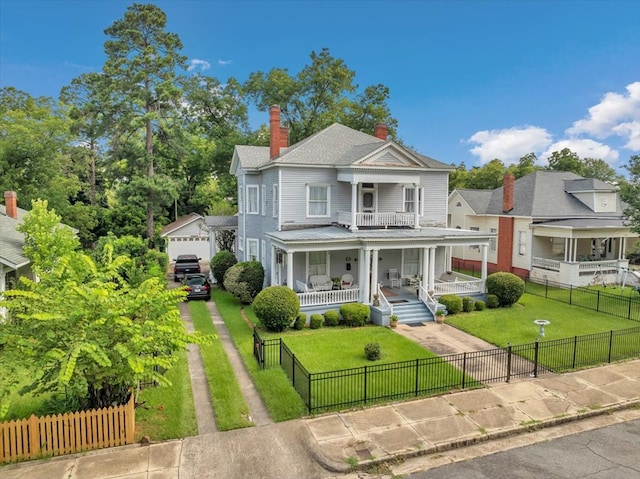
(221, 222)
(11, 240)
(179, 223)
(542, 194)
(336, 145)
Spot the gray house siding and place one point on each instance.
(435, 193)
(293, 193)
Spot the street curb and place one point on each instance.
(342, 467)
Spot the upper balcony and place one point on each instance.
(377, 220)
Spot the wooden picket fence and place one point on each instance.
(67, 433)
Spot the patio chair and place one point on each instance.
(394, 278)
(346, 281)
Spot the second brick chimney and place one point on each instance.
(381, 131)
(11, 204)
(507, 192)
(278, 135)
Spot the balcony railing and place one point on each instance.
(580, 273)
(378, 220)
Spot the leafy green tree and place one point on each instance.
(526, 165)
(487, 177)
(142, 66)
(565, 160)
(320, 94)
(600, 169)
(458, 177)
(630, 193)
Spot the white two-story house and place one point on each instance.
(344, 205)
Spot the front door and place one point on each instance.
(368, 198)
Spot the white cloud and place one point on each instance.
(224, 62)
(509, 145)
(584, 148)
(616, 114)
(195, 63)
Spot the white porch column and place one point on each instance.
(575, 249)
(212, 243)
(426, 276)
(290, 270)
(483, 273)
(416, 213)
(567, 249)
(273, 265)
(354, 206)
(361, 277)
(375, 254)
(432, 268)
(366, 293)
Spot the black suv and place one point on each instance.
(197, 287)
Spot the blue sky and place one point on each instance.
(470, 80)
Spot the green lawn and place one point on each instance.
(168, 411)
(280, 399)
(230, 409)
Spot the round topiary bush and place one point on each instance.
(220, 263)
(467, 304)
(276, 307)
(479, 305)
(372, 351)
(453, 302)
(355, 314)
(492, 301)
(506, 286)
(244, 280)
(331, 318)
(300, 322)
(315, 322)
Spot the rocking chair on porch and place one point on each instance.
(394, 278)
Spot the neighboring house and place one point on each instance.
(551, 225)
(13, 262)
(194, 234)
(343, 202)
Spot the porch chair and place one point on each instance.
(394, 278)
(346, 281)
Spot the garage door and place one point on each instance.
(189, 245)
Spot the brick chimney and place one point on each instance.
(381, 131)
(11, 204)
(507, 192)
(278, 135)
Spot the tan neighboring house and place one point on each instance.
(13, 262)
(551, 225)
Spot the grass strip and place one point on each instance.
(168, 411)
(229, 406)
(279, 397)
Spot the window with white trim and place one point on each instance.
(252, 199)
(264, 251)
(522, 243)
(241, 243)
(410, 261)
(408, 199)
(240, 200)
(493, 242)
(252, 249)
(264, 200)
(317, 262)
(274, 197)
(474, 246)
(318, 200)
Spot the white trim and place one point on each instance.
(264, 200)
(275, 199)
(328, 201)
(250, 210)
(250, 243)
(411, 188)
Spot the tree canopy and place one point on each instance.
(630, 193)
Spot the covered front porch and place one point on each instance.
(565, 252)
(316, 262)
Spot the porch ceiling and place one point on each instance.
(391, 238)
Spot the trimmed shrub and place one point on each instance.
(244, 280)
(220, 263)
(453, 302)
(331, 318)
(300, 322)
(355, 314)
(506, 286)
(479, 305)
(372, 351)
(276, 307)
(467, 304)
(492, 301)
(316, 321)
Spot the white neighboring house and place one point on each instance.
(343, 203)
(195, 234)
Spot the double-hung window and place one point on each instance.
(410, 262)
(318, 198)
(252, 199)
(317, 262)
(275, 201)
(409, 196)
(252, 249)
(264, 200)
(474, 246)
(240, 200)
(522, 243)
(493, 241)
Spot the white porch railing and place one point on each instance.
(320, 298)
(377, 220)
(545, 263)
(593, 266)
(384, 302)
(458, 287)
(428, 301)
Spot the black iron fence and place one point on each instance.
(615, 304)
(332, 390)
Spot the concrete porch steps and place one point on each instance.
(412, 312)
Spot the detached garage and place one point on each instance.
(194, 234)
